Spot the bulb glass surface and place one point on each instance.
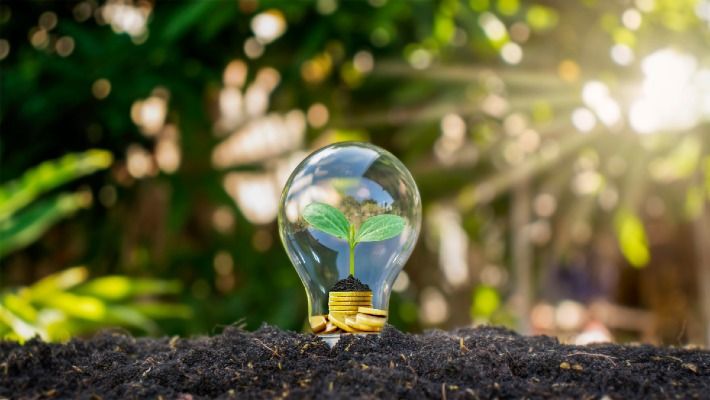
(361, 181)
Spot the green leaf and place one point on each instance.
(632, 238)
(380, 227)
(486, 300)
(19, 193)
(56, 282)
(72, 305)
(20, 329)
(26, 226)
(118, 287)
(327, 219)
(186, 17)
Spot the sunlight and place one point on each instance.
(596, 96)
(675, 94)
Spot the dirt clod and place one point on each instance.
(271, 363)
(350, 284)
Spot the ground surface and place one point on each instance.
(269, 363)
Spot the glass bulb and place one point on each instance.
(349, 209)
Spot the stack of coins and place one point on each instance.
(350, 312)
(347, 303)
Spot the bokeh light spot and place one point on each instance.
(268, 25)
(65, 46)
(317, 115)
(568, 70)
(101, 88)
(4, 49)
(511, 53)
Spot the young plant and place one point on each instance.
(330, 220)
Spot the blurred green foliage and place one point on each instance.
(402, 74)
(20, 223)
(65, 304)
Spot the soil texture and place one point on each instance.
(350, 284)
(478, 363)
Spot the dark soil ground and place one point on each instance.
(270, 363)
(350, 284)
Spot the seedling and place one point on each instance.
(332, 221)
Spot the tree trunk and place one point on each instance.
(522, 254)
(701, 229)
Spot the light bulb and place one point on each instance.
(349, 209)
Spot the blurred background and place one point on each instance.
(562, 150)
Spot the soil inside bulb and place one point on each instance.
(350, 284)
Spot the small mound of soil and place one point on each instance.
(350, 284)
(480, 363)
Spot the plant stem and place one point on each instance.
(352, 244)
(352, 260)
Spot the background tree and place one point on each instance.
(561, 150)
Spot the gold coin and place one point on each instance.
(317, 322)
(339, 321)
(346, 307)
(348, 303)
(367, 299)
(342, 314)
(366, 328)
(361, 327)
(350, 300)
(330, 328)
(370, 320)
(372, 311)
(350, 294)
(352, 309)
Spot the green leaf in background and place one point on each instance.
(17, 194)
(486, 300)
(24, 228)
(18, 329)
(380, 227)
(186, 17)
(121, 287)
(65, 304)
(632, 238)
(57, 282)
(327, 219)
(72, 305)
